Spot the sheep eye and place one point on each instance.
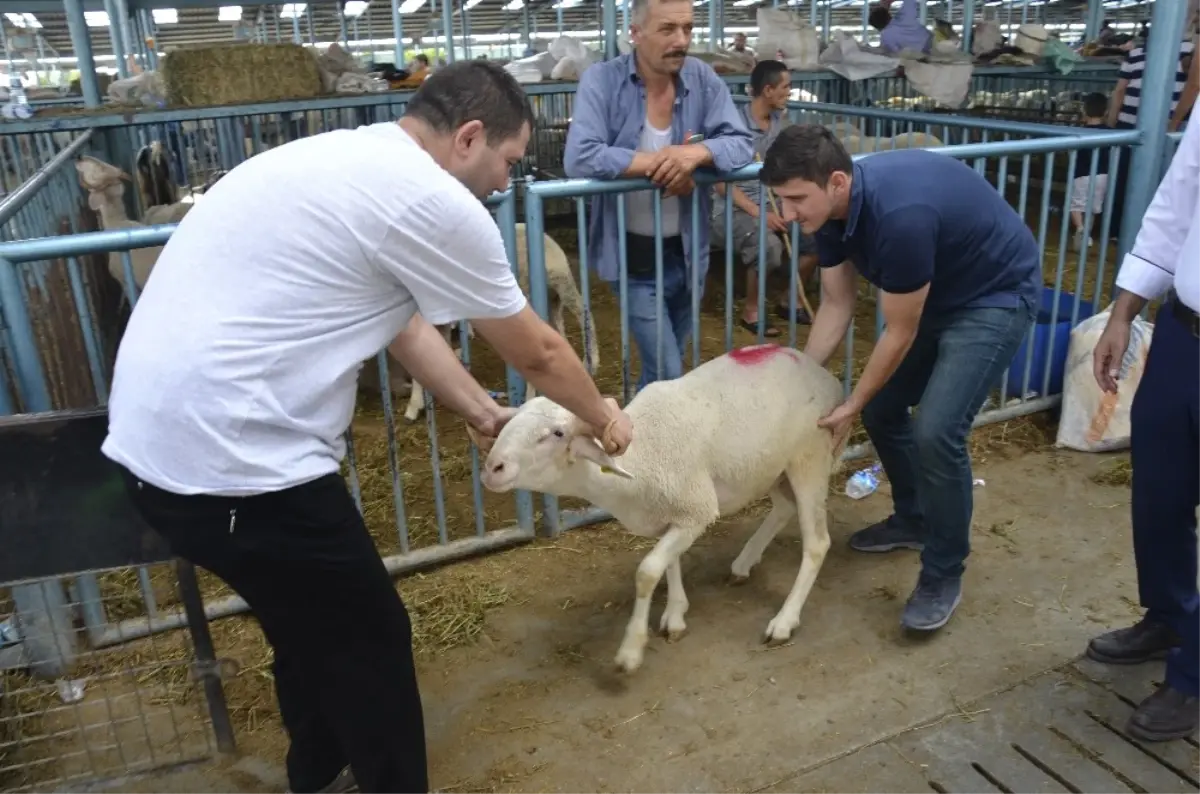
(558, 433)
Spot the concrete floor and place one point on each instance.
(536, 706)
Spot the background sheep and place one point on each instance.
(857, 144)
(399, 381)
(106, 195)
(562, 292)
(106, 191)
(705, 446)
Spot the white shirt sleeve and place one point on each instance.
(448, 252)
(1149, 268)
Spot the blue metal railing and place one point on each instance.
(1029, 400)
(1001, 161)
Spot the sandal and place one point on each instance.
(801, 315)
(769, 330)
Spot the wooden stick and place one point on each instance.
(787, 243)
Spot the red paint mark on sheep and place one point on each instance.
(756, 354)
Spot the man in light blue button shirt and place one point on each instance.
(631, 118)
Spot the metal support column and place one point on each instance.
(81, 43)
(608, 12)
(295, 28)
(151, 36)
(114, 37)
(398, 32)
(448, 29)
(123, 24)
(466, 31)
(968, 33)
(1158, 78)
(712, 25)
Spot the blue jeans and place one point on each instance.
(956, 359)
(676, 321)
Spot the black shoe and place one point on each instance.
(888, 535)
(1167, 714)
(931, 603)
(1144, 641)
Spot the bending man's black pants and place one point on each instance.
(344, 672)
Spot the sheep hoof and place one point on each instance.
(675, 635)
(778, 632)
(628, 661)
(673, 630)
(735, 579)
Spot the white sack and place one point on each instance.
(145, 89)
(987, 37)
(844, 56)
(532, 69)
(573, 58)
(787, 32)
(944, 83)
(1093, 420)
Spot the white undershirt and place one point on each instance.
(238, 371)
(639, 207)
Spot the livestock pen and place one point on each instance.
(515, 647)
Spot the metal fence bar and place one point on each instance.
(973, 152)
(30, 187)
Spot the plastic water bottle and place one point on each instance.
(863, 482)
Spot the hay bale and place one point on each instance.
(231, 74)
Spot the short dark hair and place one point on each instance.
(422, 57)
(879, 18)
(766, 73)
(472, 90)
(1095, 105)
(804, 151)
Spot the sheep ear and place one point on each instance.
(586, 447)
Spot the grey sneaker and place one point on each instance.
(931, 603)
(888, 535)
(344, 783)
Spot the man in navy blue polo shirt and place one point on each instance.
(958, 274)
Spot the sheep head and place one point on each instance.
(101, 180)
(540, 448)
(98, 175)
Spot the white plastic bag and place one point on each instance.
(787, 32)
(944, 83)
(573, 58)
(987, 37)
(145, 89)
(1093, 420)
(567, 47)
(844, 56)
(532, 69)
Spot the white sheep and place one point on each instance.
(705, 446)
(855, 144)
(562, 292)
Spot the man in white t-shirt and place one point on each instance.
(236, 379)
